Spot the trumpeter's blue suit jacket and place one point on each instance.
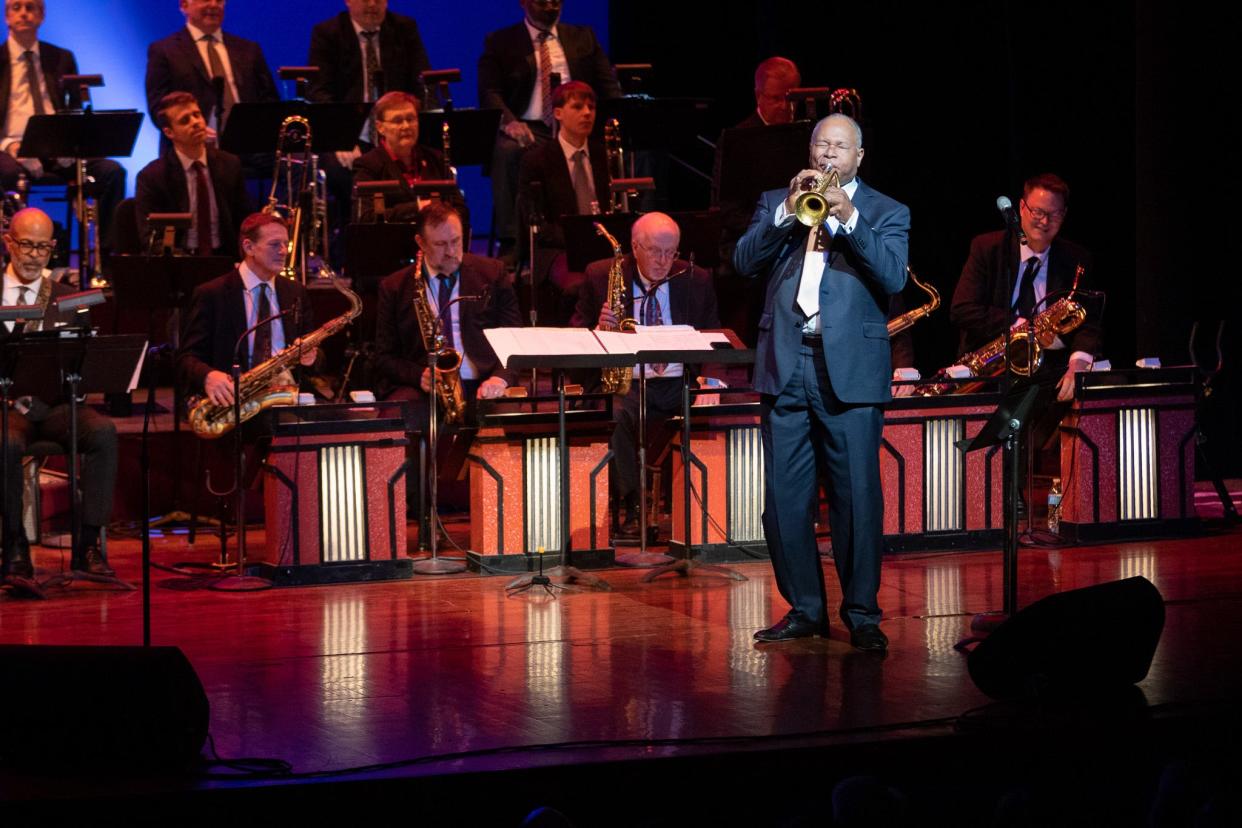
(863, 269)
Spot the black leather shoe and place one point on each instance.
(91, 562)
(628, 530)
(869, 638)
(17, 558)
(789, 628)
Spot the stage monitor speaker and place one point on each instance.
(100, 708)
(1082, 642)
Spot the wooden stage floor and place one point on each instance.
(334, 677)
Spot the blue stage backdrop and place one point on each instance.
(110, 37)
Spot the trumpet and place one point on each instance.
(811, 207)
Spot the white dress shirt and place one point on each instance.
(813, 262)
(1041, 291)
(13, 290)
(362, 50)
(534, 111)
(468, 370)
(198, 35)
(672, 369)
(251, 295)
(21, 104)
(191, 182)
(570, 150)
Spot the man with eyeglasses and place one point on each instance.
(30, 84)
(660, 289)
(1040, 272)
(822, 370)
(27, 281)
(399, 157)
(518, 71)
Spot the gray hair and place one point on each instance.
(842, 116)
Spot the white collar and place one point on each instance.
(187, 162)
(535, 31)
(11, 280)
(1025, 252)
(198, 34)
(358, 30)
(250, 279)
(17, 50)
(569, 149)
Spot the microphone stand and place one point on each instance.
(435, 565)
(242, 582)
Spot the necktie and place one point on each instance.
(653, 315)
(263, 336)
(545, 77)
(371, 91)
(1026, 290)
(217, 71)
(202, 209)
(32, 81)
(23, 298)
(813, 271)
(582, 185)
(444, 295)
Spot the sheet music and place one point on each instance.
(133, 381)
(659, 338)
(508, 342)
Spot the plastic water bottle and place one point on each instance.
(1054, 507)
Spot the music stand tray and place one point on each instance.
(252, 127)
(94, 134)
(473, 133)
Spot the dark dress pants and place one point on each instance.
(663, 401)
(809, 433)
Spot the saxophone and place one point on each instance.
(616, 380)
(1061, 317)
(899, 323)
(266, 384)
(447, 381)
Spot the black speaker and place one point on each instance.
(1080, 642)
(99, 708)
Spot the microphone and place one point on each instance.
(1011, 217)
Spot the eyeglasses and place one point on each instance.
(659, 252)
(401, 120)
(27, 247)
(824, 145)
(1044, 215)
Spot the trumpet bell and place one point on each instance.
(810, 207)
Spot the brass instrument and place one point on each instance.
(847, 102)
(810, 206)
(1059, 318)
(447, 380)
(92, 218)
(899, 323)
(306, 207)
(619, 202)
(616, 380)
(267, 384)
(446, 147)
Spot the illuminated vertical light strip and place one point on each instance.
(543, 494)
(942, 474)
(745, 487)
(1137, 468)
(341, 503)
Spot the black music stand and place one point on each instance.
(80, 136)
(473, 133)
(649, 123)
(558, 363)
(725, 354)
(754, 160)
(252, 126)
(583, 244)
(1007, 428)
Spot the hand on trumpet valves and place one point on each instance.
(491, 388)
(219, 388)
(839, 205)
(801, 183)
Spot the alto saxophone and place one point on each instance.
(447, 380)
(266, 384)
(616, 380)
(1061, 317)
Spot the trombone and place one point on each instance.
(305, 208)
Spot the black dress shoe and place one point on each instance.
(869, 638)
(789, 628)
(17, 558)
(91, 562)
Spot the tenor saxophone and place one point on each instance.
(899, 323)
(447, 379)
(267, 384)
(616, 380)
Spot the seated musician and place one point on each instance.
(1042, 271)
(224, 308)
(660, 289)
(399, 157)
(564, 177)
(192, 177)
(27, 281)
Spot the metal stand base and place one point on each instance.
(23, 587)
(686, 567)
(439, 566)
(644, 559)
(241, 583)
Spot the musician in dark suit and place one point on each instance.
(400, 354)
(823, 371)
(188, 60)
(1040, 271)
(20, 99)
(660, 289)
(27, 281)
(567, 176)
(399, 157)
(515, 76)
(221, 310)
(174, 182)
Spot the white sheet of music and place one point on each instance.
(507, 342)
(659, 338)
(133, 381)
